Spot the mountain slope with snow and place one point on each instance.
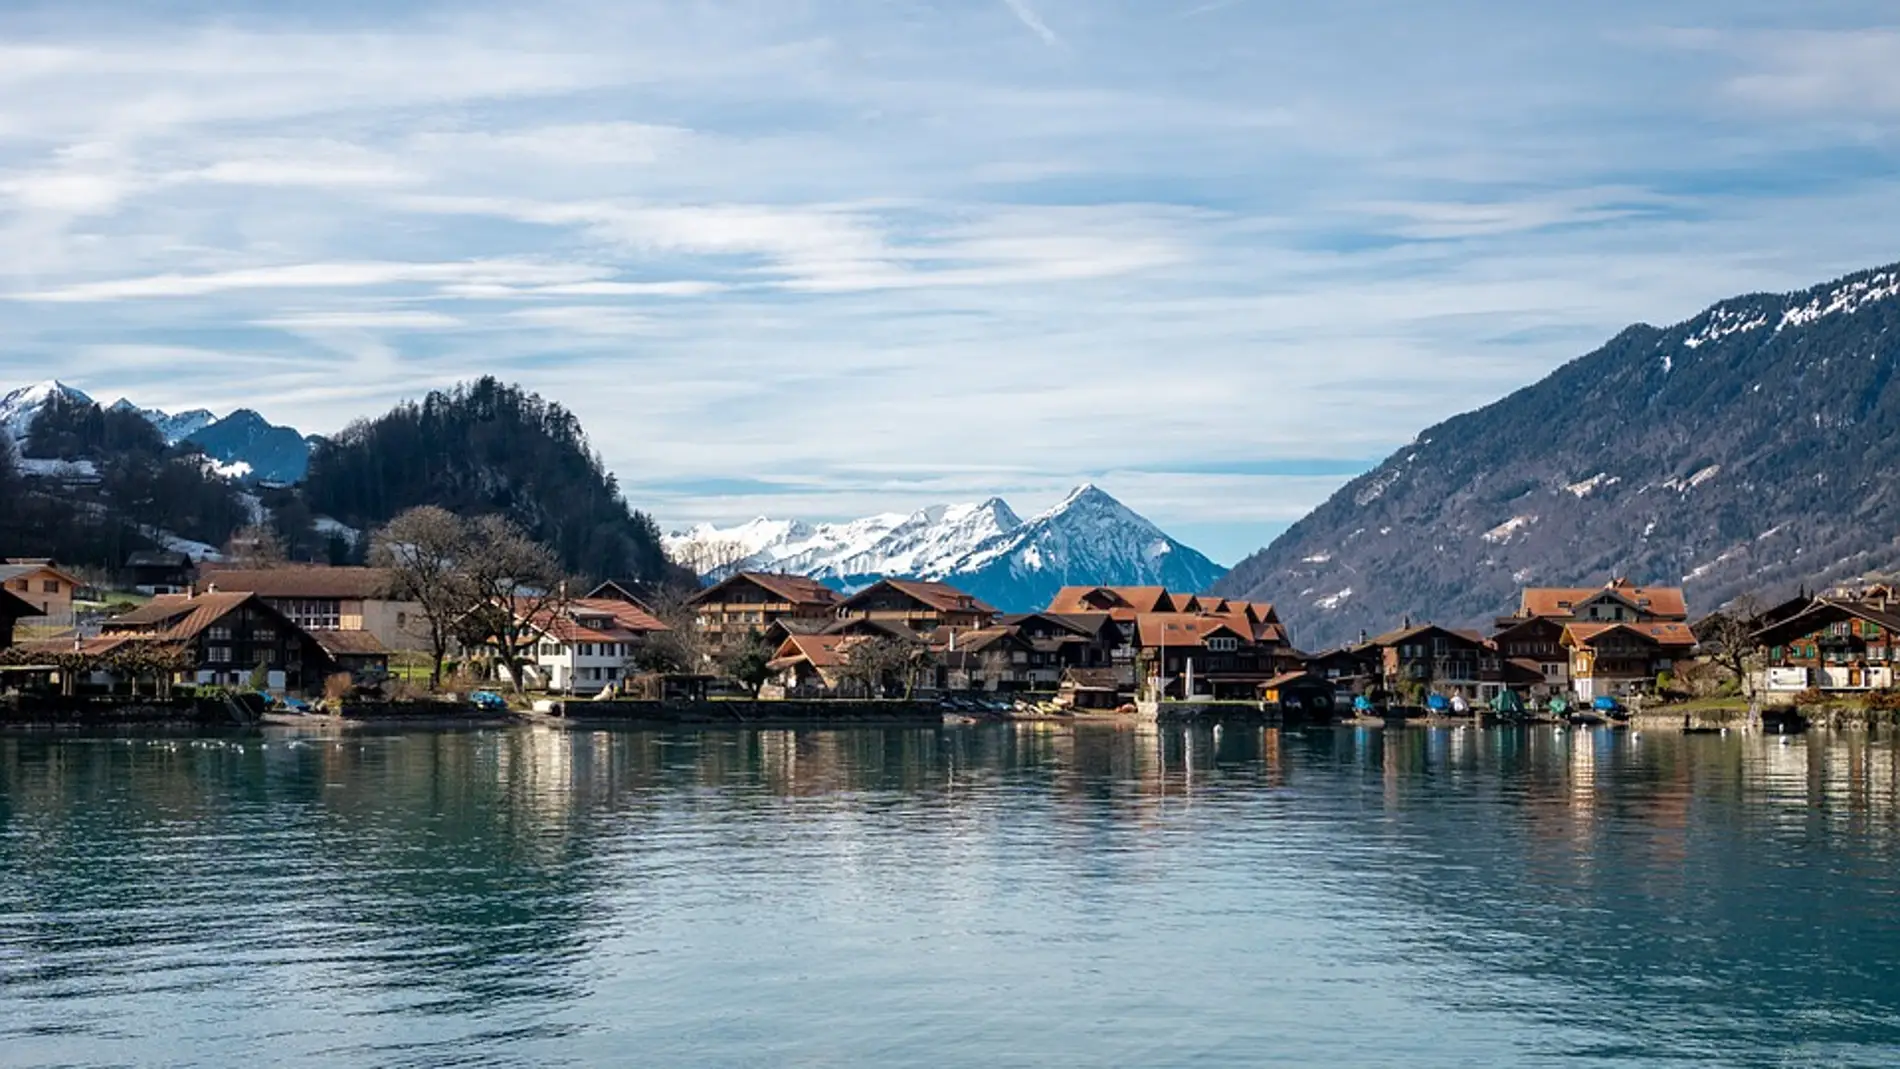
(1745, 450)
(985, 549)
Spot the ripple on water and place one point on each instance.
(1009, 895)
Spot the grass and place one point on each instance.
(1731, 704)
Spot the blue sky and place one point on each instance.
(827, 258)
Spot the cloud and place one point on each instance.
(1029, 18)
(843, 258)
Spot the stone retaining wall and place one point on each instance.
(925, 714)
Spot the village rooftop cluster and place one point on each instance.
(297, 629)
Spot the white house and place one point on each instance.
(586, 645)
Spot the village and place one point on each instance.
(304, 634)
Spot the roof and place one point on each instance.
(1081, 624)
(15, 567)
(796, 589)
(1092, 678)
(1393, 638)
(350, 643)
(622, 589)
(1561, 602)
(1184, 629)
(13, 606)
(302, 581)
(178, 617)
(619, 621)
(940, 596)
(1823, 612)
(157, 558)
(799, 625)
(625, 613)
(1661, 632)
(1121, 602)
(1285, 678)
(819, 651)
(97, 646)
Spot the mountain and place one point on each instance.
(485, 447)
(246, 444)
(984, 549)
(1745, 450)
(173, 427)
(21, 407)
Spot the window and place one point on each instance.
(20, 584)
(49, 586)
(1221, 644)
(402, 619)
(220, 633)
(218, 654)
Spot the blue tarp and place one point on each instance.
(1438, 703)
(1606, 704)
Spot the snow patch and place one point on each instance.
(1333, 601)
(1685, 485)
(1846, 300)
(1317, 558)
(1509, 529)
(1722, 323)
(1374, 490)
(1599, 481)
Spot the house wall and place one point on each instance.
(47, 592)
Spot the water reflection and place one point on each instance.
(540, 895)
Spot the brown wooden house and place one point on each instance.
(228, 637)
(916, 605)
(1442, 660)
(1620, 659)
(1837, 644)
(751, 602)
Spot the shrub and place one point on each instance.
(337, 687)
(1881, 701)
(1810, 698)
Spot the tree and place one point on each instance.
(681, 648)
(1728, 637)
(748, 661)
(518, 590)
(423, 548)
(256, 546)
(882, 665)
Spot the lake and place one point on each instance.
(998, 895)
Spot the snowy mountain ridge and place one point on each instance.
(243, 443)
(983, 548)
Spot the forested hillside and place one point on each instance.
(106, 484)
(489, 447)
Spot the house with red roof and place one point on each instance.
(585, 645)
(750, 603)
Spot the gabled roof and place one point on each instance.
(1092, 679)
(1406, 634)
(1822, 612)
(18, 567)
(985, 638)
(796, 589)
(626, 614)
(819, 651)
(1672, 633)
(301, 581)
(1666, 602)
(350, 643)
(619, 621)
(939, 596)
(182, 617)
(1080, 624)
(621, 590)
(1121, 602)
(1285, 678)
(1184, 629)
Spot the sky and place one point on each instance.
(822, 258)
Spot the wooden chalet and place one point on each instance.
(1441, 659)
(1301, 695)
(1536, 660)
(1619, 601)
(1620, 659)
(42, 583)
(1100, 689)
(626, 590)
(751, 602)
(226, 637)
(1835, 645)
(916, 605)
(812, 666)
(1200, 656)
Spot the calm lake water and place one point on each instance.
(1010, 895)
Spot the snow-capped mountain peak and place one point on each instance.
(984, 548)
(174, 427)
(19, 407)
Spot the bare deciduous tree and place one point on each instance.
(423, 548)
(1728, 637)
(255, 546)
(518, 589)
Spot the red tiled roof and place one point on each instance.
(1121, 602)
(1183, 629)
(627, 615)
(1662, 633)
(820, 651)
(1667, 602)
(301, 581)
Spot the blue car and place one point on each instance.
(487, 699)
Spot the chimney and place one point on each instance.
(1407, 625)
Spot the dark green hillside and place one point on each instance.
(489, 447)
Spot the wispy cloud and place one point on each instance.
(1029, 18)
(893, 253)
